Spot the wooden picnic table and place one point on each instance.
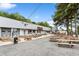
(64, 40)
(68, 45)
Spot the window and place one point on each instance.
(25, 24)
(5, 31)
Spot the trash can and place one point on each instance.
(15, 40)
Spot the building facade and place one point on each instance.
(11, 27)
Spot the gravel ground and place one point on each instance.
(40, 47)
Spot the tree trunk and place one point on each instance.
(67, 25)
(71, 28)
(75, 28)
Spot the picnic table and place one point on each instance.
(68, 45)
(63, 40)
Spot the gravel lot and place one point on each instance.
(40, 47)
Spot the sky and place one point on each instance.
(37, 12)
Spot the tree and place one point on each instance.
(15, 16)
(34, 22)
(61, 16)
(28, 20)
(72, 10)
(44, 24)
(65, 14)
(5, 14)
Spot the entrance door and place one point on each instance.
(29, 31)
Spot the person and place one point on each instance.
(15, 40)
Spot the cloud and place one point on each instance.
(7, 5)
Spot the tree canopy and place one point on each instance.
(65, 14)
(44, 24)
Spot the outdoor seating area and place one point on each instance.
(64, 40)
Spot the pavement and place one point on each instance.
(39, 47)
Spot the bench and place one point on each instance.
(65, 45)
(28, 38)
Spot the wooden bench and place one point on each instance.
(54, 39)
(68, 45)
(67, 41)
(28, 38)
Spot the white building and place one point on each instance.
(11, 27)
